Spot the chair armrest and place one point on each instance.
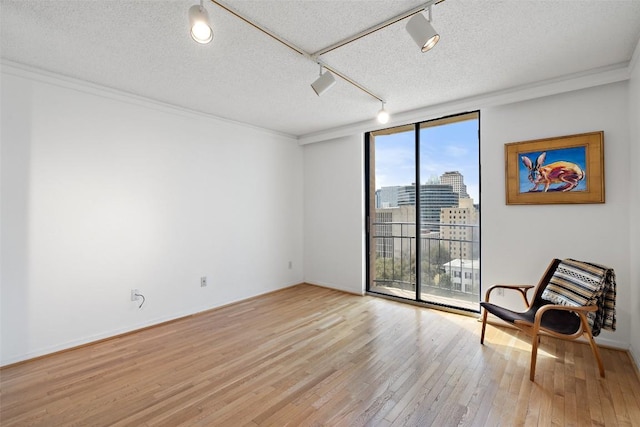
(520, 288)
(579, 308)
(581, 311)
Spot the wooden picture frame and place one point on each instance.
(565, 169)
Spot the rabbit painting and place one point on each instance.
(561, 172)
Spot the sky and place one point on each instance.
(445, 148)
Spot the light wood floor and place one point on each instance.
(313, 356)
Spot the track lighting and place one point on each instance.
(201, 31)
(383, 115)
(323, 83)
(420, 29)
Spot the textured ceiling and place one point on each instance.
(143, 47)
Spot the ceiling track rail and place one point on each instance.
(350, 81)
(263, 29)
(375, 28)
(315, 56)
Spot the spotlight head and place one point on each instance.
(323, 83)
(383, 116)
(201, 32)
(420, 29)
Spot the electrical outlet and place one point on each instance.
(134, 297)
(290, 265)
(203, 281)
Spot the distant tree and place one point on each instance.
(428, 272)
(444, 281)
(439, 255)
(399, 272)
(384, 268)
(432, 263)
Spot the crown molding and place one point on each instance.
(43, 76)
(597, 77)
(592, 78)
(635, 59)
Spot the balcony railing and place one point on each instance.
(450, 265)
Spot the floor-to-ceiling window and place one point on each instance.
(423, 211)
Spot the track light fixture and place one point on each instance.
(383, 115)
(201, 31)
(323, 83)
(418, 27)
(422, 32)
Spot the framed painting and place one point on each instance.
(565, 169)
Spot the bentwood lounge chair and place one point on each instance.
(572, 299)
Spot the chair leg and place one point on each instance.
(535, 340)
(534, 355)
(592, 343)
(484, 326)
(596, 353)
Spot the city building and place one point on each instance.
(459, 229)
(433, 197)
(464, 274)
(387, 197)
(395, 231)
(455, 180)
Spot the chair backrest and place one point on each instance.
(544, 281)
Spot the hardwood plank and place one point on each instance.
(314, 356)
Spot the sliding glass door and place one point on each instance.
(423, 211)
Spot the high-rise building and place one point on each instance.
(395, 231)
(455, 180)
(459, 230)
(407, 195)
(433, 197)
(387, 197)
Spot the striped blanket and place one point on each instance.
(576, 283)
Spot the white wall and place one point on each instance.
(634, 224)
(102, 193)
(517, 241)
(334, 214)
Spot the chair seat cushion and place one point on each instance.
(560, 321)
